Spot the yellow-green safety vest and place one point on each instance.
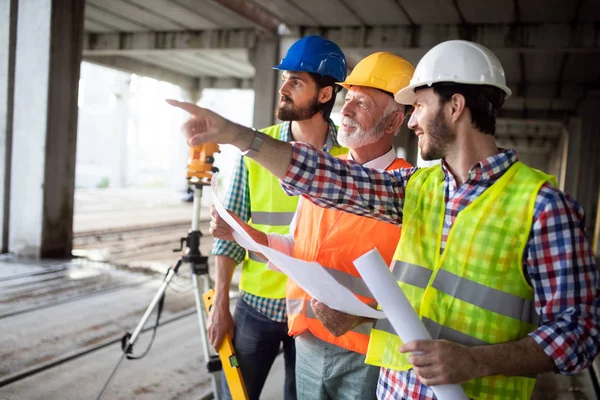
(271, 211)
(475, 292)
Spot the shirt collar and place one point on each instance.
(489, 169)
(380, 163)
(285, 134)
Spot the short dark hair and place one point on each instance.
(324, 81)
(483, 101)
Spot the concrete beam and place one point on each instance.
(263, 57)
(188, 83)
(48, 58)
(568, 38)
(527, 146)
(208, 82)
(542, 129)
(132, 66)
(549, 114)
(255, 13)
(8, 41)
(103, 44)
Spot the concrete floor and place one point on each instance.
(61, 321)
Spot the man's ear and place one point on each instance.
(325, 94)
(395, 122)
(457, 106)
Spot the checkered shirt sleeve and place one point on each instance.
(563, 274)
(346, 185)
(238, 201)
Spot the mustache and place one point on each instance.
(350, 122)
(286, 98)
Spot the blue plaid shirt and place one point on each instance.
(238, 201)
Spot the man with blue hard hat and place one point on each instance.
(311, 68)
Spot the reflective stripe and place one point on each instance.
(385, 325)
(356, 284)
(255, 257)
(486, 297)
(294, 306)
(412, 274)
(363, 329)
(272, 218)
(437, 331)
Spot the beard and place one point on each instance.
(287, 111)
(360, 138)
(439, 137)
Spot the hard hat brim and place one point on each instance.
(407, 95)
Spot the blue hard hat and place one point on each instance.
(315, 54)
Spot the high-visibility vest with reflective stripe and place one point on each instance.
(271, 211)
(334, 239)
(475, 292)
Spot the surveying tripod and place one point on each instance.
(199, 173)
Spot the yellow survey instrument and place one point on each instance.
(228, 359)
(200, 163)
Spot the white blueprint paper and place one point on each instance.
(397, 308)
(310, 276)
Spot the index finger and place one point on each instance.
(185, 106)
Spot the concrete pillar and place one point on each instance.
(589, 171)
(8, 32)
(48, 58)
(119, 173)
(557, 159)
(573, 160)
(263, 56)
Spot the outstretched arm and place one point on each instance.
(304, 170)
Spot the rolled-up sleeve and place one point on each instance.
(564, 277)
(346, 185)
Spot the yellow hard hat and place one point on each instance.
(382, 70)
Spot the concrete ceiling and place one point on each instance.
(550, 49)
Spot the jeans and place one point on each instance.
(328, 372)
(257, 341)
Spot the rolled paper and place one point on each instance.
(399, 311)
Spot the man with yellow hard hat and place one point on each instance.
(331, 364)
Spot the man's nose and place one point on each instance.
(412, 122)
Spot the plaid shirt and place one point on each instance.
(557, 259)
(238, 201)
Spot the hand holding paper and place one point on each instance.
(311, 276)
(398, 310)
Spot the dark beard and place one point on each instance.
(440, 137)
(298, 114)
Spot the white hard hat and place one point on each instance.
(456, 61)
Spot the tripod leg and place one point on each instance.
(210, 356)
(138, 329)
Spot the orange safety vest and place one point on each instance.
(334, 239)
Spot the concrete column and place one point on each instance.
(119, 173)
(48, 58)
(556, 160)
(573, 156)
(263, 56)
(589, 171)
(8, 32)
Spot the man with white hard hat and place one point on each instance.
(493, 257)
